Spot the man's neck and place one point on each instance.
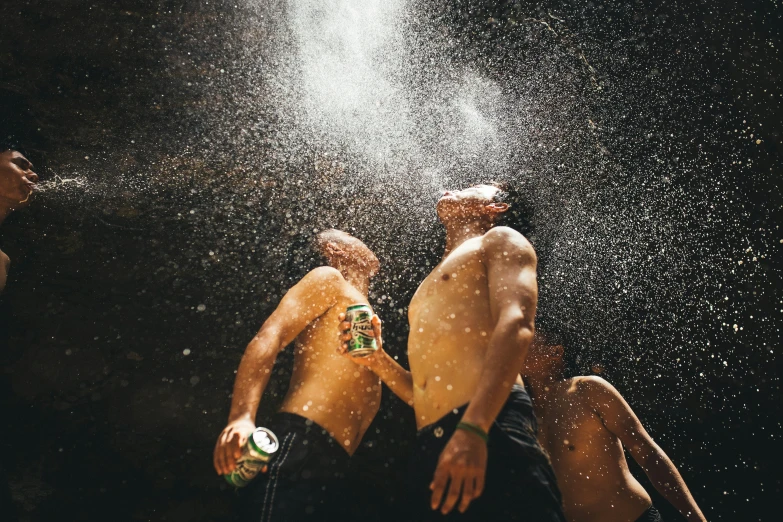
(4, 212)
(539, 386)
(459, 231)
(357, 279)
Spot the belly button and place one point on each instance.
(445, 277)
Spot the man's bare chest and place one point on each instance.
(462, 274)
(571, 430)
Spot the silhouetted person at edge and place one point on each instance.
(584, 424)
(330, 402)
(471, 322)
(17, 183)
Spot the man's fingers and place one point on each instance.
(438, 486)
(376, 330)
(216, 459)
(220, 453)
(345, 327)
(341, 317)
(222, 460)
(479, 486)
(345, 337)
(453, 495)
(236, 445)
(468, 493)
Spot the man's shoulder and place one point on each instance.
(320, 279)
(592, 387)
(324, 275)
(508, 240)
(504, 234)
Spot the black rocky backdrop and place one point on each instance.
(161, 246)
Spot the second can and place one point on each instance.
(362, 341)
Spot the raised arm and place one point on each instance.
(513, 294)
(301, 305)
(393, 375)
(619, 418)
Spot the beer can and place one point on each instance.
(362, 341)
(256, 454)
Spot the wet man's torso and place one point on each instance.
(588, 459)
(450, 327)
(327, 387)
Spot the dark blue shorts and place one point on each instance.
(520, 483)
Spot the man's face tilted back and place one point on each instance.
(474, 202)
(17, 179)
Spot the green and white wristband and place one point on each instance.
(476, 430)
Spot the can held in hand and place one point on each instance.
(256, 454)
(362, 341)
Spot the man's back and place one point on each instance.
(588, 459)
(326, 387)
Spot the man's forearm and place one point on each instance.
(669, 483)
(397, 378)
(253, 375)
(505, 356)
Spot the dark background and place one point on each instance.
(178, 206)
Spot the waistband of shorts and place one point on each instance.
(650, 515)
(283, 422)
(518, 397)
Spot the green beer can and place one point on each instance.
(362, 341)
(256, 454)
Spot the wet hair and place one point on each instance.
(574, 361)
(9, 143)
(519, 215)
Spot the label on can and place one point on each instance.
(256, 453)
(362, 341)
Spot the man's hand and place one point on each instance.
(464, 463)
(345, 336)
(229, 445)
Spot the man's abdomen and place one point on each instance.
(336, 394)
(445, 374)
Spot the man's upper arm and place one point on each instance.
(306, 301)
(618, 417)
(511, 275)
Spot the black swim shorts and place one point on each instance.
(651, 515)
(520, 483)
(305, 479)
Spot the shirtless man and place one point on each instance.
(471, 322)
(584, 425)
(17, 183)
(330, 401)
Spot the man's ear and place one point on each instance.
(331, 248)
(498, 208)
